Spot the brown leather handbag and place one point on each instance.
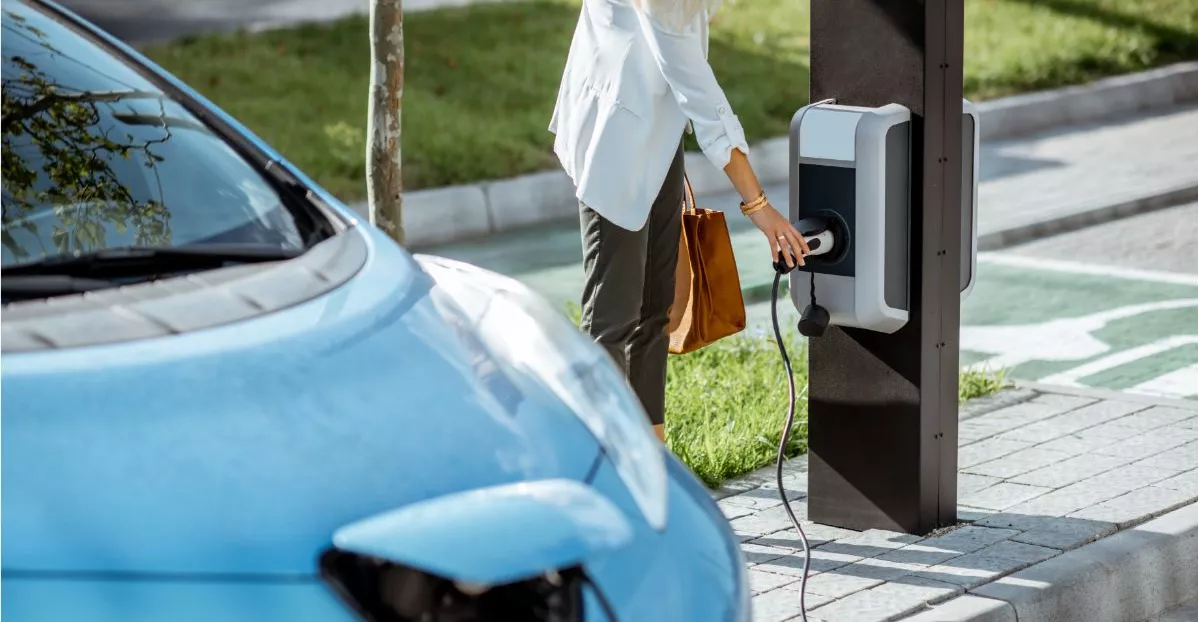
(708, 305)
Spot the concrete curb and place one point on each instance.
(1013, 395)
(766, 475)
(1133, 575)
(1032, 112)
(458, 213)
(968, 608)
(1086, 217)
(1107, 394)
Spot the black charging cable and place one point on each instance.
(608, 610)
(780, 268)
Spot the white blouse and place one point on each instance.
(629, 88)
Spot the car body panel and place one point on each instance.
(98, 599)
(176, 599)
(243, 447)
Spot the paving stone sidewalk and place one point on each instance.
(1040, 473)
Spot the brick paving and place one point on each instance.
(1041, 473)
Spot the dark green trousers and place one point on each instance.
(630, 287)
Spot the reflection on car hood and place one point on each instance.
(240, 449)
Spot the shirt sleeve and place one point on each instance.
(679, 54)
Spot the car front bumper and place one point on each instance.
(690, 571)
(693, 570)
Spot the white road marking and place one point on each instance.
(1062, 339)
(1072, 377)
(1180, 383)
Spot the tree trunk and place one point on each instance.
(384, 181)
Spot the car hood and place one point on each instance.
(241, 449)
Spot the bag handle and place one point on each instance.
(689, 197)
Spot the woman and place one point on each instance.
(636, 78)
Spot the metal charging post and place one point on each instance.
(883, 407)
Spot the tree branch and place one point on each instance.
(25, 111)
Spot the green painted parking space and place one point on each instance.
(1084, 325)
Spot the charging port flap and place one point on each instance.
(516, 531)
(493, 553)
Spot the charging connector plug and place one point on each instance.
(820, 235)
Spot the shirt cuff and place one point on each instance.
(719, 148)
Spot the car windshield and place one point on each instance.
(96, 156)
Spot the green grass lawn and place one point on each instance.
(726, 405)
(480, 81)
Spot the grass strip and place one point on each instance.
(725, 404)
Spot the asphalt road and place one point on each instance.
(1164, 240)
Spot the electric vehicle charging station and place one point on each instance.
(882, 411)
(883, 187)
(851, 199)
(850, 181)
(849, 175)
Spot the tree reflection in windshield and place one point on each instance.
(76, 150)
(97, 155)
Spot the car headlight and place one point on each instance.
(518, 324)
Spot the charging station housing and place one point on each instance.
(971, 162)
(851, 165)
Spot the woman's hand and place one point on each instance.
(777, 229)
(782, 236)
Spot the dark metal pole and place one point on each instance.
(883, 408)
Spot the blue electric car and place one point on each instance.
(225, 398)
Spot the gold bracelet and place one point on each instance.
(751, 204)
(754, 210)
(754, 206)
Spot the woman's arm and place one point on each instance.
(741, 174)
(777, 229)
(679, 55)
